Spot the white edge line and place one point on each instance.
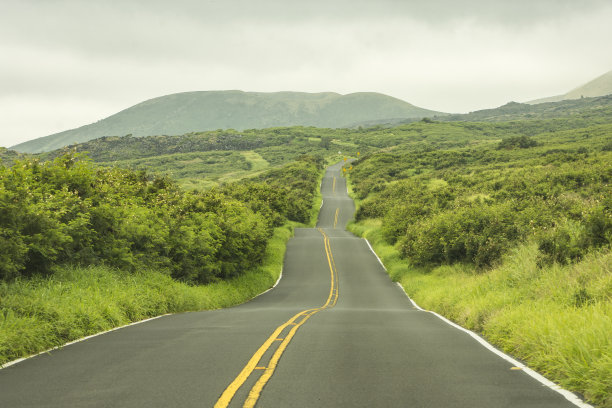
(275, 283)
(571, 397)
(19, 360)
(371, 249)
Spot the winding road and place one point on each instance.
(334, 332)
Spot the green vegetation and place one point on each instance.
(200, 170)
(117, 149)
(48, 311)
(507, 234)
(8, 157)
(70, 211)
(471, 204)
(206, 159)
(87, 248)
(188, 165)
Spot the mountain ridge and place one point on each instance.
(583, 109)
(186, 112)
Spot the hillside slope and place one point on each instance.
(599, 86)
(198, 111)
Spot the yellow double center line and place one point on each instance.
(296, 321)
(336, 217)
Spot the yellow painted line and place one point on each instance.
(251, 365)
(334, 276)
(331, 301)
(334, 185)
(516, 368)
(336, 217)
(335, 291)
(231, 389)
(265, 377)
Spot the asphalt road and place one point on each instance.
(335, 332)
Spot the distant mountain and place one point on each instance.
(577, 108)
(600, 86)
(199, 111)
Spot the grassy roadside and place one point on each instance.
(316, 206)
(41, 313)
(557, 319)
(351, 193)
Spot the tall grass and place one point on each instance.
(558, 319)
(41, 313)
(316, 206)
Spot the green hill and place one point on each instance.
(199, 111)
(586, 109)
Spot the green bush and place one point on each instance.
(513, 142)
(478, 233)
(421, 192)
(69, 211)
(570, 240)
(598, 225)
(263, 199)
(563, 243)
(408, 203)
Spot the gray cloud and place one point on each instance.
(143, 27)
(80, 61)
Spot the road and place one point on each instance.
(334, 332)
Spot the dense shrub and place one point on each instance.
(569, 240)
(263, 199)
(478, 233)
(473, 204)
(410, 201)
(562, 243)
(69, 211)
(298, 183)
(513, 142)
(598, 225)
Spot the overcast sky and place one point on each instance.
(64, 64)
